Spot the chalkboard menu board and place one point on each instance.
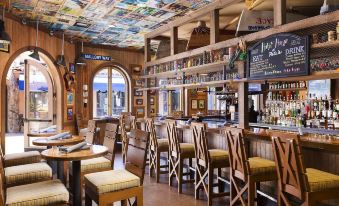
(280, 55)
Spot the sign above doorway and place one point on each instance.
(96, 57)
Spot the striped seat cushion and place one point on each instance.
(26, 174)
(21, 158)
(110, 181)
(320, 181)
(51, 192)
(260, 165)
(95, 164)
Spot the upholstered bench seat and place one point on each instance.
(110, 181)
(320, 180)
(260, 165)
(187, 148)
(219, 156)
(51, 192)
(21, 158)
(29, 173)
(95, 163)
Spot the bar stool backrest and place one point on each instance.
(290, 164)
(239, 164)
(151, 129)
(174, 147)
(130, 121)
(91, 132)
(200, 143)
(137, 153)
(122, 126)
(110, 139)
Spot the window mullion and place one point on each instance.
(109, 80)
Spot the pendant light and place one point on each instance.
(61, 58)
(4, 37)
(81, 60)
(35, 54)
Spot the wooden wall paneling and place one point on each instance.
(174, 40)
(279, 7)
(214, 35)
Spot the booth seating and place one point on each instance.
(20, 158)
(206, 161)
(49, 192)
(101, 163)
(307, 184)
(157, 146)
(119, 185)
(246, 173)
(178, 152)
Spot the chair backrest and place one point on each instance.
(122, 127)
(2, 183)
(91, 131)
(137, 153)
(79, 122)
(110, 139)
(290, 164)
(200, 143)
(172, 134)
(153, 135)
(239, 164)
(177, 114)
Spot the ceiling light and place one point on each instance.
(35, 54)
(81, 60)
(61, 58)
(4, 37)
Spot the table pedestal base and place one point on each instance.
(76, 167)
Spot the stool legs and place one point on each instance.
(180, 175)
(210, 185)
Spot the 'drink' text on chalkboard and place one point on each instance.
(280, 55)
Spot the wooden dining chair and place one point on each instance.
(100, 163)
(50, 192)
(178, 152)
(206, 162)
(246, 173)
(119, 185)
(21, 158)
(92, 131)
(157, 146)
(307, 184)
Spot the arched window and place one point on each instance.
(109, 92)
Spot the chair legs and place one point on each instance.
(238, 192)
(176, 169)
(210, 186)
(124, 150)
(155, 165)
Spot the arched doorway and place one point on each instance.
(33, 100)
(110, 92)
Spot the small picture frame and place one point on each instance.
(151, 100)
(72, 68)
(140, 111)
(139, 82)
(69, 113)
(152, 92)
(135, 68)
(201, 104)
(152, 111)
(4, 47)
(194, 104)
(138, 93)
(152, 82)
(139, 102)
(70, 98)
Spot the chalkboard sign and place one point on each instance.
(280, 55)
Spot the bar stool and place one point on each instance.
(246, 173)
(178, 152)
(206, 161)
(157, 146)
(308, 185)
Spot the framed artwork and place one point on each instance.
(139, 82)
(72, 68)
(152, 111)
(152, 92)
(135, 68)
(151, 100)
(69, 113)
(194, 104)
(152, 82)
(4, 47)
(140, 111)
(201, 104)
(138, 93)
(139, 102)
(70, 98)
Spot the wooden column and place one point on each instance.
(174, 40)
(243, 97)
(147, 50)
(279, 12)
(214, 36)
(147, 59)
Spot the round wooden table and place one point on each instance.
(57, 142)
(75, 157)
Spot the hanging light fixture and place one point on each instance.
(35, 54)
(61, 58)
(81, 60)
(4, 37)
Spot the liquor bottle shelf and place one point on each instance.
(327, 44)
(289, 89)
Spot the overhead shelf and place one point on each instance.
(212, 67)
(328, 44)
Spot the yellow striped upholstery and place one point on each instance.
(95, 163)
(259, 165)
(187, 148)
(319, 180)
(21, 158)
(51, 192)
(25, 174)
(218, 155)
(110, 181)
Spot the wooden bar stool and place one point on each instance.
(178, 152)
(157, 146)
(126, 123)
(206, 161)
(308, 185)
(246, 173)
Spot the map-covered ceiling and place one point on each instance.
(121, 23)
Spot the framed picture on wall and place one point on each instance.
(194, 104)
(140, 111)
(201, 104)
(151, 100)
(4, 47)
(152, 82)
(135, 68)
(138, 93)
(70, 98)
(139, 82)
(69, 113)
(152, 111)
(152, 92)
(72, 68)
(139, 101)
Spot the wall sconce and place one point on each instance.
(85, 94)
